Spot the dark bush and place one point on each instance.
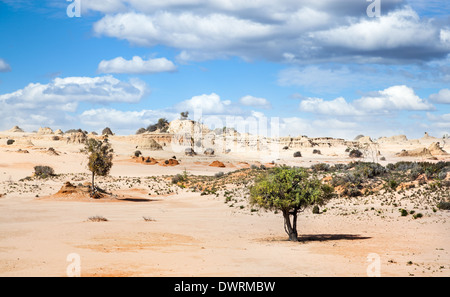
(352, 191)
(320, 167)
(444, 205)
(353, 178)
(318, 152)
(178, 178)
(43, 171)
(10, 141)
(189, 152)
(414, 169)
(75, 131)
(209, 152)
(403, 212)
(393, 184)
(340, 167)
(417, 216)
(443, 173)
(107, 131)
(137, 153)
(369, 170)
(162, 125)
(355, 153)
(316, 209)
(141, 130)
(390, 167)
(219, 174)
(297, 155)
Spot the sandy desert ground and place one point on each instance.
(185, 233)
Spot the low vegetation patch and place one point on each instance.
(444, 205)
(97, 219)
(43, 171)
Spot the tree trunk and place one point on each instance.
(291, 229)
(92, 185)
(294, 225)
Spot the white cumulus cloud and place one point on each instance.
(206, 103)
(442, 97)
(255, 102)
(136, 65)
(53, 103)
(393, 98)
(396, 98)
(299, 31)
(62, 91)
(338, 106)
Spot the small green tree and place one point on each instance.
(184, 115)
(162, 125)
(291, 191)
(99, 160)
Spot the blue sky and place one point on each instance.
(321, 68)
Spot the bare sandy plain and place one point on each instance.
(156, 228)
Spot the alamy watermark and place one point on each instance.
(74, 8)
(257, 135)
(74, 268)
(374, 9)
(374, 267)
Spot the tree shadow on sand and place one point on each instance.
(330, 237)
(134, 199)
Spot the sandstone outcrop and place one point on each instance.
(45, 131)
(147, 143)
(77, 138)
(16, 129)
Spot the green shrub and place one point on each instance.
(177, 178)
(320, 167)
(340, 167)
(219, 174)
(353, 178)
(107, 131)
(414, 169)
(444, 205)
(141, 131)
(393, 184)
(443, 173)
(355, 154)
(43, 171)
(97, 219)
(297, 154)
(369, 170)
(352, 191)
(417, 216)
(316, 209)
(403, 212)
